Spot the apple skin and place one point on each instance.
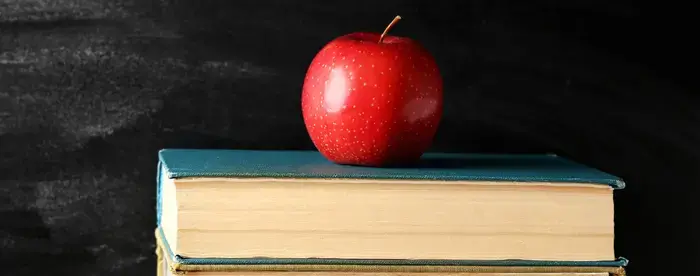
(368, 103)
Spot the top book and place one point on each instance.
(296, 205)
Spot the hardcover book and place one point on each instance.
(246, 210)
(170, 264)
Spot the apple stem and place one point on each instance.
(393, 22)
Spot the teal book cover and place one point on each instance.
(184, 163)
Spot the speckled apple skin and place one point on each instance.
(372, 104)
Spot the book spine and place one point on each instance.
(159, 199)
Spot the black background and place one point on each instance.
(91, 89)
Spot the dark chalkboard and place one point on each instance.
(91, 89)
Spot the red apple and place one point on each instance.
(372, 99)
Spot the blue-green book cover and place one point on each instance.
(184, 163)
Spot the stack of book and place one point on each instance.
(293, 213)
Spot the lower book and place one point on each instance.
(171, 264)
